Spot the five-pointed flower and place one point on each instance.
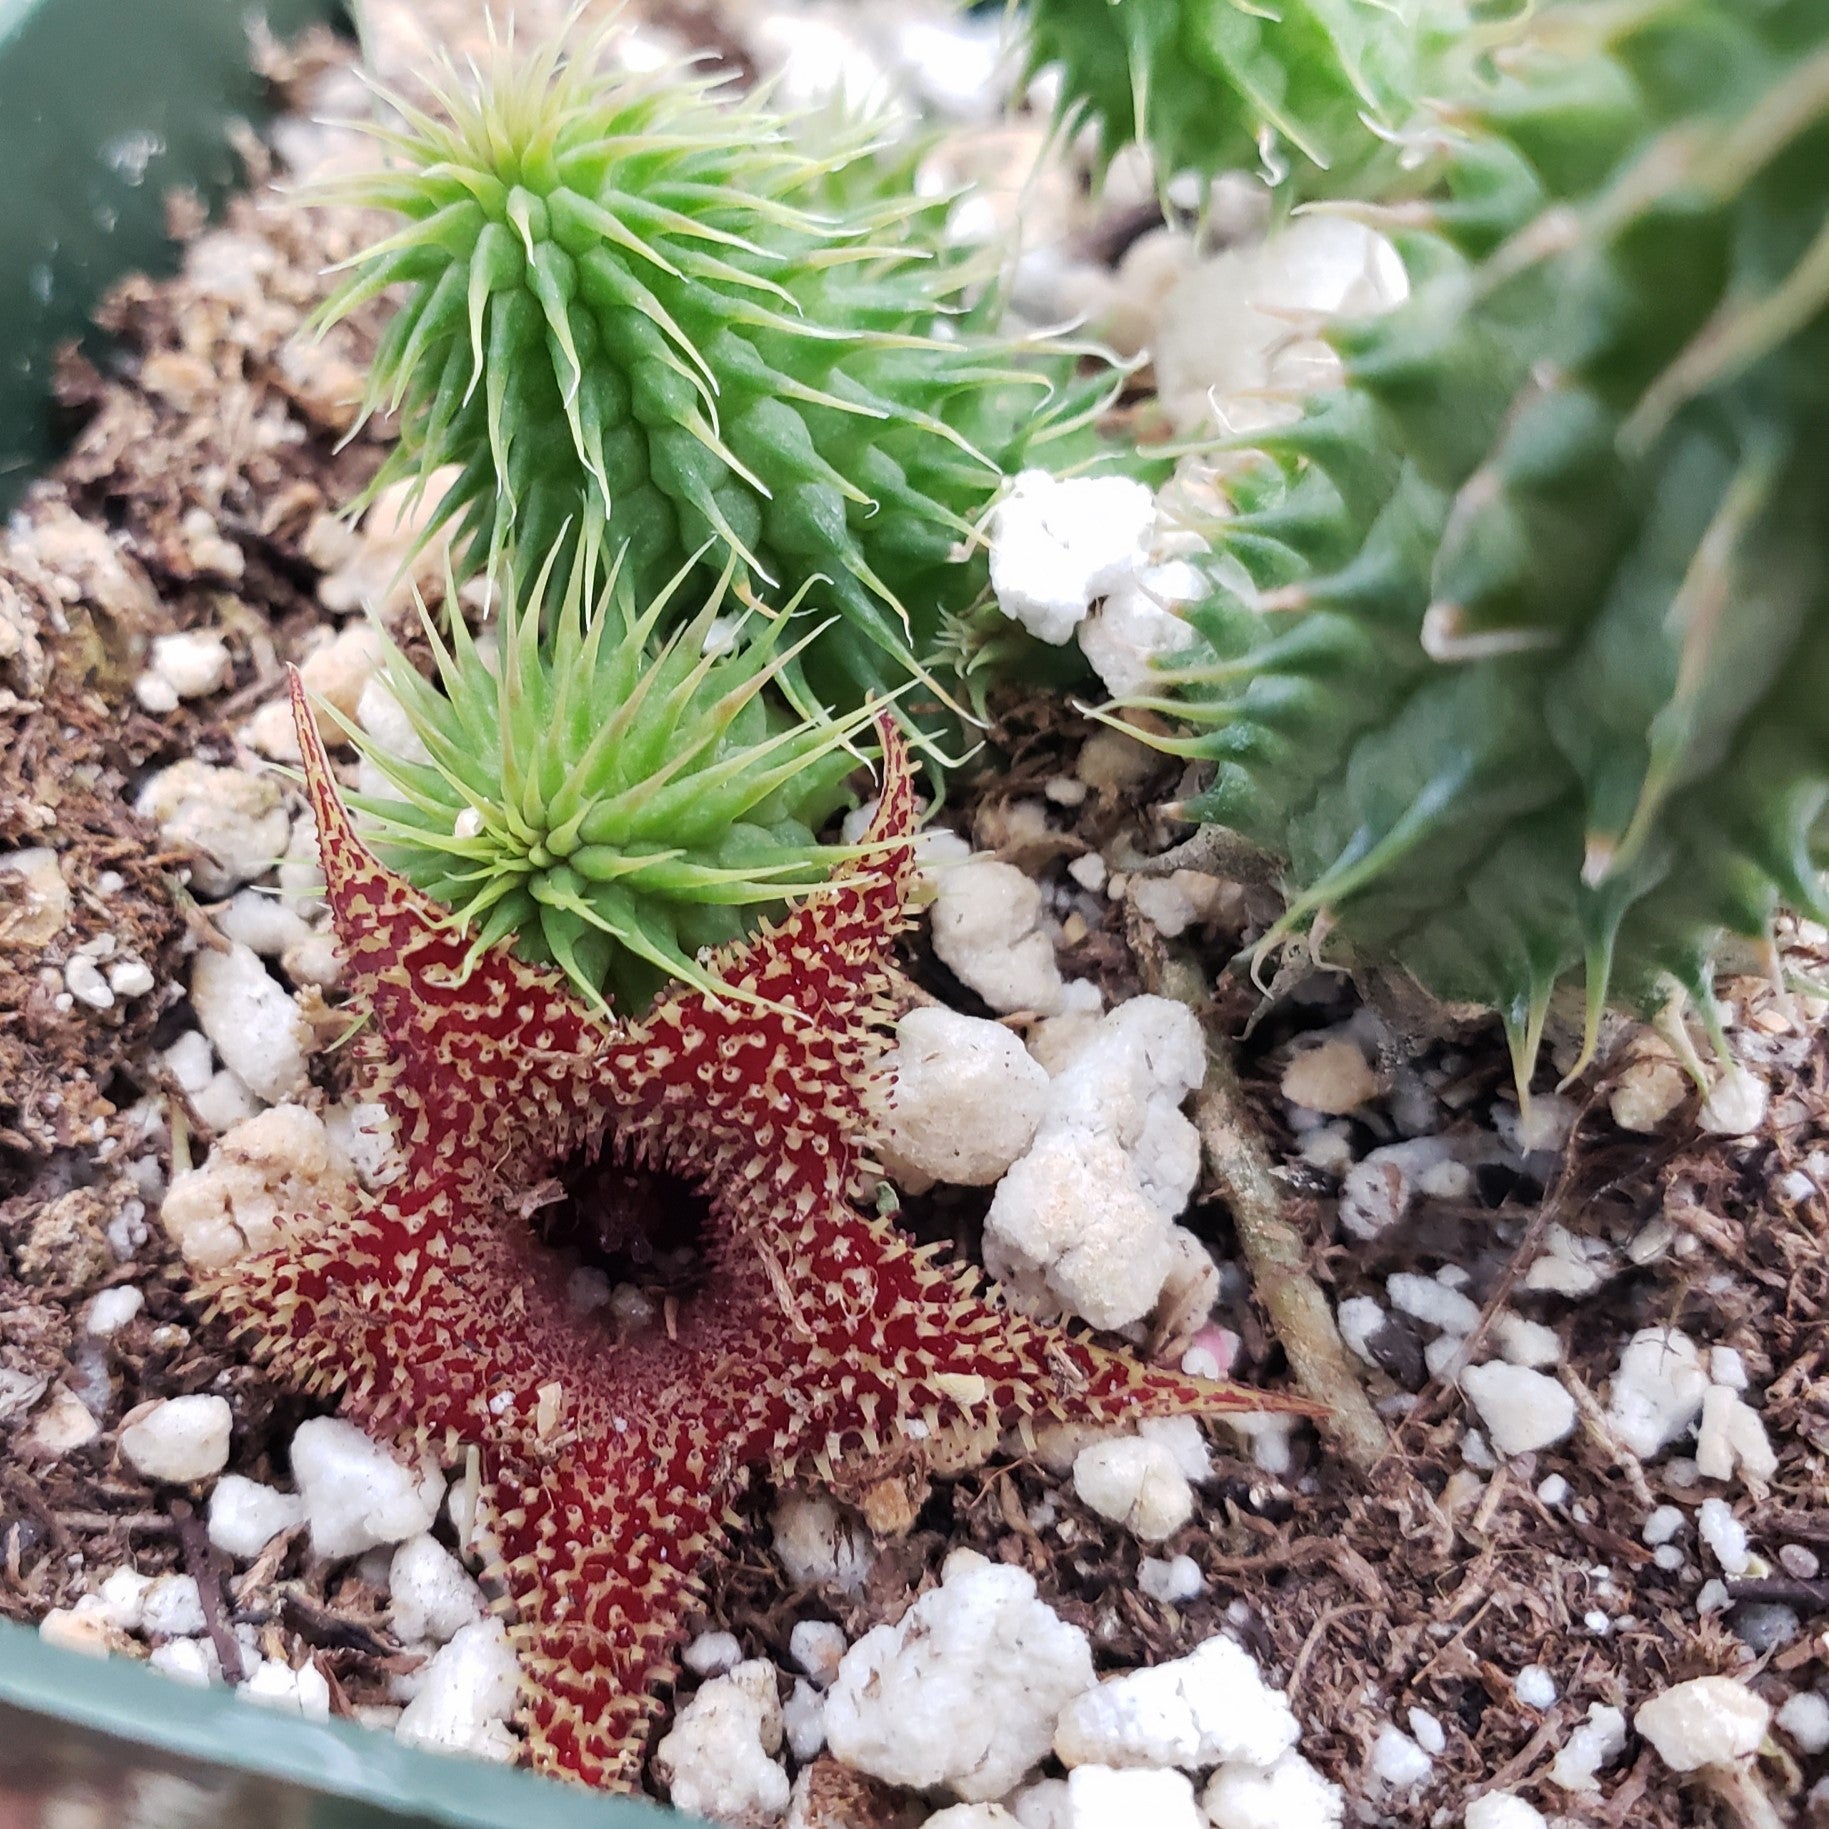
(808, 1332)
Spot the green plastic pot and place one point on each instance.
(105, 107)
(146, 1752)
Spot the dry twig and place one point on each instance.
(1274, 1250)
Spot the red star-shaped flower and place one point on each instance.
(813, 1333)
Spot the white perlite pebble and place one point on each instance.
(1398, 1761)
(155, 694)
(246, 1516)
(964, 1691)
(84, 981)
(274, 1167)
(1658, 1390)
(1100, 1798)
(36, 897)
(1377, 1192)
(986, 930)
(974, 1816)
(1534, 1687)
(1597, 1741)
(1288, 1795)
(1426, 1731)
(1432, 1303)
(464, 1695)
(431, 1595)
(1137, 625)
(711, 1654)
(1570, 1265)
(258, 1030)
(1136, 1483)
(84, 1630)
(193, 663)
(1706, 1721)
(1070, 1229)
(1083, 1224)
(968, 1098)
(130, 978)
(717, 1759)
(1522, 1410)
(1198, 1711)
(356, 1494)
(123, 1597)
(1174, 903)
(1334, 1077)
(182, 1439)
(1522, 1342)
(1042, 1805)
(186, 1660)
(803, 1716)
(1224, 339)
(1172, 1582)
(817, 1646)
(112, 1309)
(1735, 1105)
(1724, 1534)
(1805, 1717)
(1502, 1810)
(1058, 545)
(171, 1607)
(818, 1544)
(277, 1685)
(232, 822)
(1362, 1320)
(265, 924)
(1662, 1523)
(63, 1424)
(1647, 1092)
(1732, 1438)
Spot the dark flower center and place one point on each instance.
(640, 1227)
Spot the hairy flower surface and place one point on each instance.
(634, 301)
(614, 809)
(810, 1334)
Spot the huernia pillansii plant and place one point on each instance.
(714, 1150)
(615, 801)
(634, 301)
(1304, 90)
(1517, 647)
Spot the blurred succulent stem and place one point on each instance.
(1274, 1250)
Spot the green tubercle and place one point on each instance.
(1516, 647)
(615, 806)
(1310, 89)
(636, 305)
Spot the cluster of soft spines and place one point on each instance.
(608, 1466)
(639, 305)
(615, 800)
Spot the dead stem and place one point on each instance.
(1213, 850)
(1747, 1802)
(1274, 1250)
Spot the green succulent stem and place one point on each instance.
(1515, 646)
(1311, 93)
(618, 789)
(637, 306)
